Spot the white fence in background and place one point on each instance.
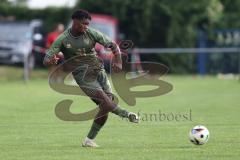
(137, 51)
(147, 51)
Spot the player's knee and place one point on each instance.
(97, 102)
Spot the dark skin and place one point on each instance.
(78, 28)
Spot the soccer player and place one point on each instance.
(79, 41)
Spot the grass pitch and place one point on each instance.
(29, 129)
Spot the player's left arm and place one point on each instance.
(106, 42)
(117, 59)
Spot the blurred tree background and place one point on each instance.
(153, 23)
(50, 16)
(159, 23)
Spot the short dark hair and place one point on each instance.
(81, 14)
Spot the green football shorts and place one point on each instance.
(92, 79)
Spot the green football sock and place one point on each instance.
(94, 130)
(120, 112)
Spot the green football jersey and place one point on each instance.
(82, 46)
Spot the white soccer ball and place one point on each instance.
(199, 135)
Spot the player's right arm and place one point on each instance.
(50, 56)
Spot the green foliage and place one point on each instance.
(4, 2)
(162, 23)
(50, 16)
(158, 23)
(231, 14)
(152, 23)
(136, 19)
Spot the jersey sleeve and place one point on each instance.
(100, 37)
(55, 47)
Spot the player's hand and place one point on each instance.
(50, 61)
(117, 63)
(54, 60)
(117, 67)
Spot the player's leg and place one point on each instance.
(99, 97)
(95, 91)
(105, 84)
(92, 90)
(106, 105)
(97, 124)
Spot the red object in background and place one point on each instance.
(51, 37)
(107, 25)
